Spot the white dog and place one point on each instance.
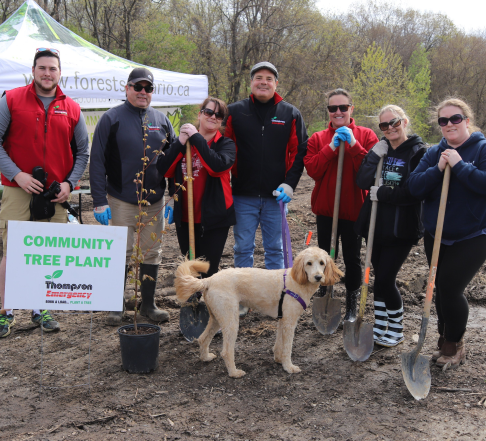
(260, 290)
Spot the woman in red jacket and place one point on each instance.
(213, 155)
(321, 163)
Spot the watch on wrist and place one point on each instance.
(70, 186)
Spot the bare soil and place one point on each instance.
(333, 398)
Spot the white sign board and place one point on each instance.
(65, 267)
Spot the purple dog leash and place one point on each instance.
(288, 260)
(287, 246)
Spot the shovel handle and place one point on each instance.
(369, 244)
(435, 257)
(190, 201)
(337, 200)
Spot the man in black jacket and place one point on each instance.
(116, 158)
(271, 142)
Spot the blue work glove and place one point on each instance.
(286, 193)
(102, 214)
(169, 212)
(344, 134)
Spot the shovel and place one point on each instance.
(326, 311)
(358, 336)
(193, 317)
(415, 367)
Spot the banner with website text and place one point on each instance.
(65, 267)
(92, 76)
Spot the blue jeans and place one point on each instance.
(250, 212)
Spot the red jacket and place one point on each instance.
(321, 164)
(32, 141)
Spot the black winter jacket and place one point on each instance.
(217, 208)
(269, 152)
(398, 218)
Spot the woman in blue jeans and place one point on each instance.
(463, 244)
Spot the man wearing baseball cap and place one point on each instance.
(116, 158)
(271, 142)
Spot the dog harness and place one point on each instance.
(291, 294)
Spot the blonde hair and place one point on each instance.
(465, 109)
(398, 112)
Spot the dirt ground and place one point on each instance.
(333, 398)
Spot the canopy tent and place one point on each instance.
(90, 75)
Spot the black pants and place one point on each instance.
(210, 245)
(458, 264)
(387, 261)
(351, 243)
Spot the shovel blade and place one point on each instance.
(416, 373)
(358, 340)
(326, 313)
(193, 319)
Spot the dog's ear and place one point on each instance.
(332, 274)
(298, 272)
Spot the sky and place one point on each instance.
(468, 15)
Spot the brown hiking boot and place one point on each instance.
(437, 354)
(453, 354)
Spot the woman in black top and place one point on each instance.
(398, 224)
(213, 155)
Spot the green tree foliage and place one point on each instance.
(381, 80)
(419, 91)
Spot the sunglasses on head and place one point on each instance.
(139, 87)
(50, 49)
(210, 113)
(454, 119)
(343, 108)
(395, 122)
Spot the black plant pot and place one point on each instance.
(140, 353)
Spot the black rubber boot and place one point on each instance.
(147, 289)
(115, 317)
(352, 300)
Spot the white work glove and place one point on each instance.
(380, 148)
(284, 193)
(374, 193)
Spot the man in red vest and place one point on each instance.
(39, 126)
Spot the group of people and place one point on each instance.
(243, 154)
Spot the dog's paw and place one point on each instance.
(237, 373)
(208, 357)
(292, 369)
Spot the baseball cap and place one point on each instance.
(140, 74)
(264, 65)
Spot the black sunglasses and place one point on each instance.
(343, 108)
(395, 122)
(139, 87)
(209, 113)
(454, 119)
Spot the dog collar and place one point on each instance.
(291, 294)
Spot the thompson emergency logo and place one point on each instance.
(67, 293)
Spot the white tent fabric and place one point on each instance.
(90, 75)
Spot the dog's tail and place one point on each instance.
(186, 282)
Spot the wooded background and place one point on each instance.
(382, 53)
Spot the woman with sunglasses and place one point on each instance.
(213, 156)
(463, 244)
(398, 224)
(321, 163)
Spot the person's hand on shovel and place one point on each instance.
(449, 156)
(380, 148)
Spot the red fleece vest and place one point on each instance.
(32, 141)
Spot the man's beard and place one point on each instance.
(45, 89)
